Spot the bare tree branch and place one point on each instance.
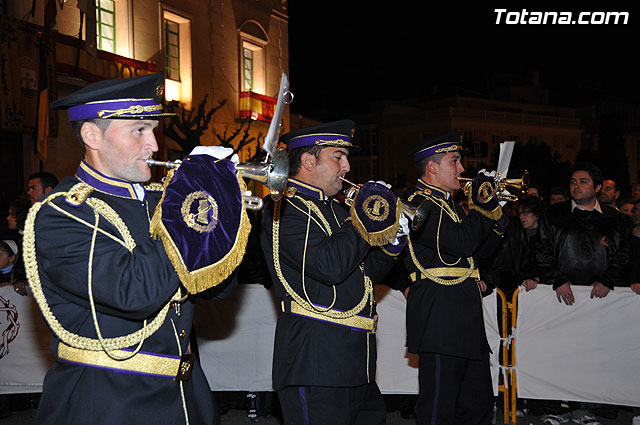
(186, 128)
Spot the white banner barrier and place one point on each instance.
(24, 348)
(235, 341)
(397, 370)
(589, 351)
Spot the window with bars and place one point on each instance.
(106, 23)
(247, 69)
(172, 49)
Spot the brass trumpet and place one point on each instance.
(417, 213)
(166, 164)
(272, 174)
(502, 183)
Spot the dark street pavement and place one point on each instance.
(237, 413)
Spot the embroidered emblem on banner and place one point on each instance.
(200, 211)
(9, 317)
(376, 208)
(486, 191)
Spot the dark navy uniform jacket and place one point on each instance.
(128, 287)
(448, 319)
(311, 352)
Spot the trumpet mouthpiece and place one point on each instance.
(168, 164)
(348, 181)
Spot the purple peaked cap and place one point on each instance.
(450, 142)
(336, 134)
(137, 97)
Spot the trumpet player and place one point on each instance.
(121, 322)
(445, 324)
(323, 268)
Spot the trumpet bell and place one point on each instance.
(273, 174)
(502, 185)
(518, 185)
(418, 213)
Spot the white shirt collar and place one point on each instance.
(596, 207)
(139, 189)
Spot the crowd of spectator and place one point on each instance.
(12, 271)
(587, 235)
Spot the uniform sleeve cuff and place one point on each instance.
(395, 250)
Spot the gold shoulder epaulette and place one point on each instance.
(425, 193)
(78, 194)
(154, 187)
(290, 192)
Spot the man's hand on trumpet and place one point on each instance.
(483, 190)
(385, 184)
(482, 196)
(217, 152)
(491, 174)
(403, 229)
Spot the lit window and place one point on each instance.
(252, 68)
(254, 102)
(106, 22)
(247, 69)
(177, 51)
(172, 46)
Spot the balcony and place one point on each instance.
(72, 60)
(256, 106)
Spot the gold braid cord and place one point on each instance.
(108, 345)
(444, 207)
(206, 277)
(368, 286)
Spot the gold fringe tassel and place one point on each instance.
(207, 277)
(381, 237)
(494, 215)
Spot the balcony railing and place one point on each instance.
(256, 106)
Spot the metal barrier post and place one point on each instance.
(513, 309)
(504, 359)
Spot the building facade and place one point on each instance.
(226, 50)
(387, 138)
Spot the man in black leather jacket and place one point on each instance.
(582, 242)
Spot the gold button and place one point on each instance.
(183, 333)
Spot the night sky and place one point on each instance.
(344, 55)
